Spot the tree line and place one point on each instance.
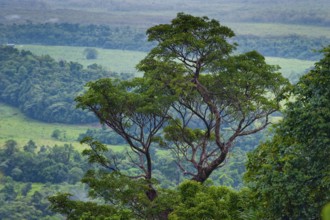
(67, 34)
(292, 46)
(128, 38)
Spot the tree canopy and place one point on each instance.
(195, 91)
(218, 97)
(290, 173)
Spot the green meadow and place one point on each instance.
(121, 61)
(290, 67)
(125, 60)
(276, 29)
(14, 125)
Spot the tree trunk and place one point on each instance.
(203, 173)
(151, 193)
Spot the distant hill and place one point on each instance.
(149, 12)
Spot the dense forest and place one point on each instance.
(43, 88)
(61, 168)
(25, 167)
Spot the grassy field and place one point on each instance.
(120, 61)
(271, 29)
(290, 67)
(14, 125)
(125, 61)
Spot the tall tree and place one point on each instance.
(195, 98)
(220, 97)
(290, 174)
(202, 97)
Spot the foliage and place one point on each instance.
(86, 210)
(55, 164)
(136, 110)
(290, 173)
(57, 134)
(90, 53)
(207, 202)
(117, 196)
(43, 88)
(191, 60)
(34, 205)
(29, 174)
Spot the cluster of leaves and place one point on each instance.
(197, 201)
(124, 38)
(125, 198)
(289, 174)
(119, 197)
(43, 88)
(55, 164)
